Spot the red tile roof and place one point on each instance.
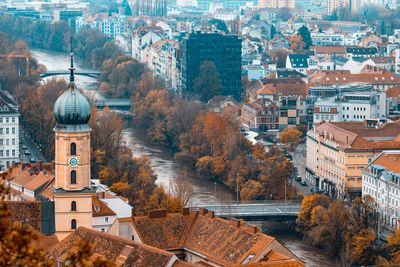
(390, 161)
(114, 248)
(357, 136)
(330, 50)
(224, 242)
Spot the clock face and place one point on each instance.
(73, 161)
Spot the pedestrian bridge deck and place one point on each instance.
(265, 211)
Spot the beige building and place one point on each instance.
(337, 4)
(276, 3)
(72, 191)
(337, 152)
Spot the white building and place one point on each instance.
(111, 26)
(327, 39)
(254, 72)
(354, 106)
(381, 181)
(142, 39)
(9, 131)
(161, 59)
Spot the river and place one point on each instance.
(169, 170)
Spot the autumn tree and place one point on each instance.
(296, 43)
(291, 137)
(207, 84)
(279, 57)
(18, 242)
(160, 199)
(81, 255)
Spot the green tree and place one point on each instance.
(207, 84)
(306, 36)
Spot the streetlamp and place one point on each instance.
(237, 189)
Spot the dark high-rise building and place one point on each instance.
(151, 8)
(224, 50)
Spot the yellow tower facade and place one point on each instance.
(72, 191)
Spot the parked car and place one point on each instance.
(298, 178)
(24, 147)
(27, 152)
(316, 190)
(303, 183)
(32, 160)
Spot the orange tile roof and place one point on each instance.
(322, 78)
(116, 249)
(330, 50)
(284, 87)
(393, 92)
(25, 212)
(224, 242)
(357, 136)
(99, 208)
(391, 162)
(166, 233)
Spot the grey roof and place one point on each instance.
(298, 60)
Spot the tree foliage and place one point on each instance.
(345, 232)
(207, 84)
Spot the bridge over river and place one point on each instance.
(257, 211)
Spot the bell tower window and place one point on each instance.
(73, 177)
(73, 224)
(72, 149)
(73, 206)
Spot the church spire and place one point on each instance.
(71, 69)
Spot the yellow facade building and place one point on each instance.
(337, 152)
(72, 191)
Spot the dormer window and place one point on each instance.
(96, 208)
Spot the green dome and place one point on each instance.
(72, 108)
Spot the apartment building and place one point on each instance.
(9, 131)
(262, 115)
(378, 78)
(352, 106)
(381, 181)
(276, 3)
(337, 152)
(110, 25)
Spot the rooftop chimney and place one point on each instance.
(186, 211)
(153, 214)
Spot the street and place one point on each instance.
(35, 154)
(299, 161)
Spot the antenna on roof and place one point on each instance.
(71, 69)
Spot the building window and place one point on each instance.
(73, 149)
(13, 119)
(13, 152)
(103, 229)
(73, 224)
(7, 120)
(73, 206)
(7, 130)
(106, 219)
(73, 177)
(13, 130)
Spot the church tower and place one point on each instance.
(72, 190)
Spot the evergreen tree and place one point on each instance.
(207, 84)
(306, 36)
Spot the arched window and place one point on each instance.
(73, 177)
(73, 206)
(72, 149)
(73, 224)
